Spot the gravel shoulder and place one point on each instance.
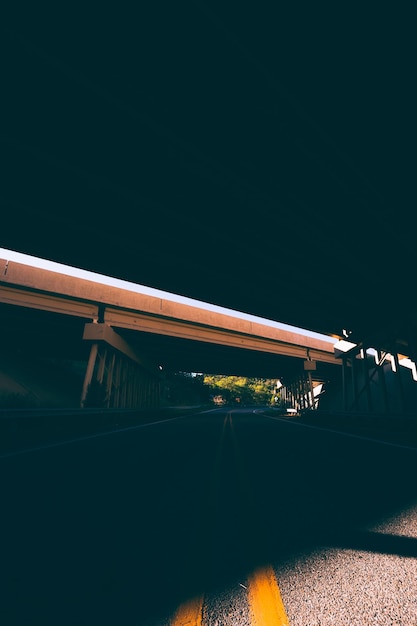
(372, 581)
(335, 586)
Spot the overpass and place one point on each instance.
(273, 183)
(115, 318)
(134, 334)
(271, 172)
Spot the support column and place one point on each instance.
(344, 383)
(109, 383)
(155, 395)
(300, 387)
(140, 390)
(128, 384)
(293, 397)
(89, 372)
(400, 386)
(117, 382)
(101, 364)
(123, 380)
(382, 381)
(135, 389)
(300, 392)
(304, 393)
(354, 382)
(367, 382)
(311, 390)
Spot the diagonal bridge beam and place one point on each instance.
(28, 286)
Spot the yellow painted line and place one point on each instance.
(190, 613)
(265, 602)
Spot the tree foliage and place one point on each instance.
(240, 390)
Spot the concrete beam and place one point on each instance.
(103, 333)
(187, 330)
(48, 302)
(156, 314)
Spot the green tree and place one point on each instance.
(241, 390)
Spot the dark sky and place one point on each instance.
(258, 156)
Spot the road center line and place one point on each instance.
(190, 613)
(266, 607)
(265, 602)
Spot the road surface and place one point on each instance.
(228, 517)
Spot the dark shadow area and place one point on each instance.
(219, 169)
(268, 508)
(380, 543)
(123, 529)
(273, 506)
(24, 429)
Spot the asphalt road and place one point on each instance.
(227, 517)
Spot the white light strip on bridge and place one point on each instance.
(404, 361)
(52, 266)
(343, 345)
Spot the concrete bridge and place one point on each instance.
(244, 178)
(132, 335)
(115, 361)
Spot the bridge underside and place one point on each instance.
(272, 172)
(57, 335)
(129, 365)
(124, 360)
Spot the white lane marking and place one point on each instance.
(345, 434)
(56, 444)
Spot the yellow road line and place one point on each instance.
(265, 602)
(190, 613)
